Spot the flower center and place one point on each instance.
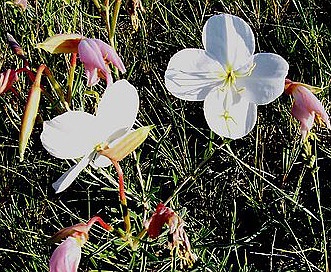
(230, 78)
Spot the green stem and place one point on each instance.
(71, 76)
(112, 27)
(56, 87)
(97, 4)
(137, 239)
(106, 16)
(110, 24)
(318, 196)
(116, 11)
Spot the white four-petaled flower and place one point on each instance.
(227, 75)
(77, 134)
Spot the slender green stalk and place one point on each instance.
(98, 6)
(56, 87)
(116, 11)
(73, 62)
(137, 239)
(318, 196)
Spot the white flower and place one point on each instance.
(227, 75)
(77, 134)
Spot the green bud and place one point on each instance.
(127, 145)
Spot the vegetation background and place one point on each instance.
(261, 203)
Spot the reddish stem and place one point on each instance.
(125, 210)
(100, 221)
(120, 181)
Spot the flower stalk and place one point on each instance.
(116, 11)
(124, 205)
(73, 62)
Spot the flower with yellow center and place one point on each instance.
(227, 75)
(78, 134)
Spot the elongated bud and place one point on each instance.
(291, 86)
(127, 145)
(30, 113)
(14, 45)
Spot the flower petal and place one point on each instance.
(7, 79)
(109, 54)
(91, 55)
(70, 135)
(66, 256)
(61, 43)
(229, 115)
(267, 80)
(68, 177)
(118, 108)
(229, 39)
(101, 161)
(306, 117)
(307, 101)
(191, 74)
(91, 75)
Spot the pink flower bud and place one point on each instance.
(306, 107)
(66, 256)
(96, 55)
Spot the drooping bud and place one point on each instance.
(82, 228)
(66, 256)
(14, 45)
(306, 107)
(127, 144)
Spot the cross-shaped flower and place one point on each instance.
(227, 75)
(77, 134)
